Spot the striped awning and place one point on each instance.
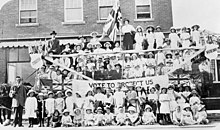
(34, 43)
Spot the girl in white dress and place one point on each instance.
(148, 117)
(139, 38)
(185, 37)
(172, 96)
(107, 46)
(50, 106)
(117, 47)
(187, 118)
(196, 35)
(31, 107)
(150, 37)
(164, 106)
(70, 102)
(159, 36)
(174, 38)
(59, 102)
(89, 100)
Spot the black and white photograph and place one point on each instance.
(109, 64)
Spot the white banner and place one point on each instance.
(211, 51)
(82, 86)
(36, 61)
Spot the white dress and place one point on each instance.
(30, 107)
(50, 106)
(148, 117)
(185, 40)
(139, 38)
(164, 100)
(196, 38)
(159, 36)
(174, 38)
(70, 104)
(59, 104)
(150, 39)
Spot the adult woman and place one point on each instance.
(128, 40)
(139, 38)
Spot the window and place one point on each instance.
(73, 10)
(18, 55)
(28, 11)
(143, 9)
(105, 6)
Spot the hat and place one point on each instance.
(171, 86)
(40, 94)
(183, 28)
(150, 26)
(107, 43)
(134, 55)
(150, 53)
(131, 108)
(194, 92)
(50, 92)
(163, 88)
(93, 33)
(88, 108)
(30, 91)
(99, 108)
(172, 28)
(186, 106)
(196, 25)
(141, 53)
(51, 67)
(53, 33)
(152, 87)
(169, 53)
(124, 89)
(127, 55)
(66, 111)
(59, 92)
(77, 109)
(140, 28)
(68, 91)
(148, 106)
(158, 27)
(98, 44)
(118, 65)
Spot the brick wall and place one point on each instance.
(3, 66)
(51, 16)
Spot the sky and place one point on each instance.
(206, 13)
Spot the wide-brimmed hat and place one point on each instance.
(196, 25)
(171, 86)
(65, 111)
(127, 55)
(148, 106)
(107, 43)
(50, 92)
(98, 44)
(131, 108)
(134, 55)
(150, 53)
(93, 33)
(169, 53)
(40, 94)
(152, 87)
(194, 92)
(59, 92)
(186, 106)
(88, 108)
(172, 28)
(118, 65)
(53, 33)
(31, 91)
(139, 27)
(158, 27)
(68, 91)
(150, 26)
(99, 109)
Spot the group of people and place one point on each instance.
(131, 105)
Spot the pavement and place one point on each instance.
(211, 126)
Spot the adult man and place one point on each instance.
(20, 94)
(54, 44)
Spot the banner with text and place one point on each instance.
(82, 86)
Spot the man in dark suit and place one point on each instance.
(20, 94)
(101, 74)
(117, 73)
(54, 44)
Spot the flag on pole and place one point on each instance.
(113, 22)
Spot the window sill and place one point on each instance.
(27, 25)
(71, 23)
(143, 20)
(101, 21)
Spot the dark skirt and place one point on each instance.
(128, 41)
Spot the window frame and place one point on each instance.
(72, 21)
(28, 10)
(136, 13)
(99, 5)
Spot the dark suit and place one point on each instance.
(117, 75)
(20, 96)
(101, 75)
(54, 46)
(110, 74)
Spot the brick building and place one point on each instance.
(22, 22)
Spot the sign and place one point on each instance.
(82, 86)
(211, 51)
(36, 61)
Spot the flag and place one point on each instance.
(113, 22)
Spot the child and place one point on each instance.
(187, 118)
(121, 116)
(172, 96)
(78, 117)
(66, 119)
(201, 115)
(41, 109)
(164, 107)
(177, 115)
(55, 120)
(196, 35)
(99, 117)
(31, 107)
(109, 117)
(89, 117)
(50, 107)
(119, 98)
(174, 38)
(69, 102)
(194, 101)
(148, 117)
(153, 99)
(132, 117)
(59, 102)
